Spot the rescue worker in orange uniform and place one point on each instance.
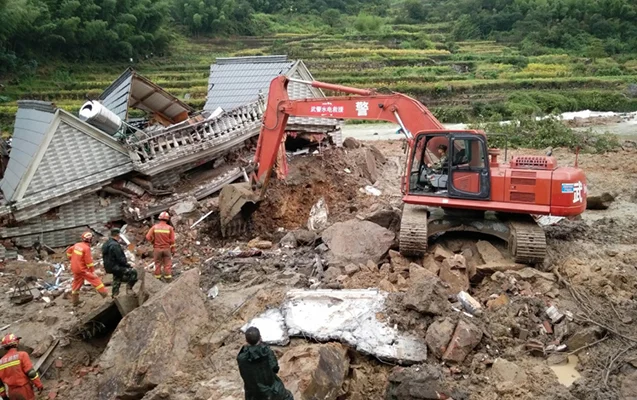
(162, 236)
(82, 267)
(16, 371)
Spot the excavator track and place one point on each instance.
(527, 243)
(413, 231)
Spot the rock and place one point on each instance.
(584, 337)
(351, 143)
(331, 274)
(378, 155)
(505, 371)
(305, 237)
(156, 336)
(464, 339)
(495, 267)
(470, 262)
(421, 382)
(185, 206)
(457, 279)
(599, 202)
(386, 286)
(367, 165)
(439, 335)
(289, 240)
(42, 346)
(498, 302)
(457, 261)
(440, 253)
(315, 371)
(418, 273)
(260, 244)
(430, 264)
(532, 274)
(427, 296)
(357, 241)
(371, 266)
(489, 253)
(351, 269)
(388, 218)
(398, 262)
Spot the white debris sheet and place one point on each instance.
(271, 326)
(349, 316)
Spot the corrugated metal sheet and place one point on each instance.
(115, 97)
(31, 125)
(90, 209)
(133, 90)
(252, 60)
(74, 160)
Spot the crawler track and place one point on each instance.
(413, 231)
(527, 242)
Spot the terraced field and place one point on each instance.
(459, 82)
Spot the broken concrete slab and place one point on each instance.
(439, 335)
(315, 371)
(185, 206)
(156, 336)
(427, 296)
(465, 338)
(349, 316)
(357, 241)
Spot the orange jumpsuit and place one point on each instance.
(15, 372)
(162, 236)
(82, 267)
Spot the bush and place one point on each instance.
(367, 23)
(548, 132)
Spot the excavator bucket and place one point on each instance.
(237, 202)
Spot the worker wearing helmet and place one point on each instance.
(17, 373)
(162, 236)
(83, 268)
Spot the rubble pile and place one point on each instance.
(347, 316)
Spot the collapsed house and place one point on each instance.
(67, 173)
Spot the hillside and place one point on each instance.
(491, 75)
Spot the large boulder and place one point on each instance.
(387, 217)
(427, 296)
(315, 371)
(149, 343)
(357, 241)
(421, 382)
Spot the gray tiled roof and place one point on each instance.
(31, 125)
(236, 81)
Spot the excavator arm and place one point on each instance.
(402, 110)
(413, 117)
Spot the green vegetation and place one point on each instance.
(466, 60)
(547, 132)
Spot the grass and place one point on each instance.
(463, 81)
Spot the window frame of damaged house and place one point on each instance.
(137, 150)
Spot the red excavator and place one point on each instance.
(452, 180)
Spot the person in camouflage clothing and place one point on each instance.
(115, 263)
(258, 368)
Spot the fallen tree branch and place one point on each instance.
(587, 346)
(612, 361)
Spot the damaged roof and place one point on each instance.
(54, 152)
(136, 91)
(235, 81)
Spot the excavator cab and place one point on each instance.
(450, 164)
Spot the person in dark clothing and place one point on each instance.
(115, 263)
(258, 368)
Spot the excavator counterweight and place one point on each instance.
(449, 184)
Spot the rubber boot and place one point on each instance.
(104, 295)
(75, 300)
(168, 279)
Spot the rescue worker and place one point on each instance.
(258, 368)
(115, 263)
(83, 268)
(162, 236)
(16, 371)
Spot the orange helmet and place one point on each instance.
(164, 216)
(87, 236)
(10, 340)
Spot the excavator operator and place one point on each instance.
(442, 159)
